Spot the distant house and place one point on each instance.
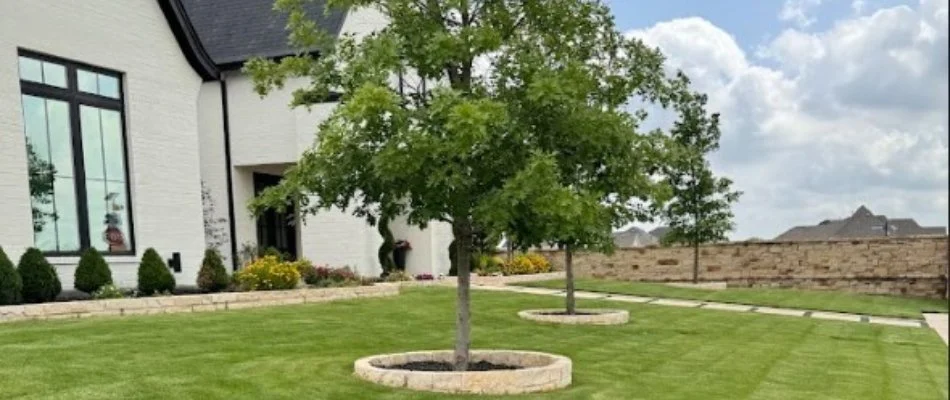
(660, 232)
(861, 224)
(634, 237)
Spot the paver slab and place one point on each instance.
(939, 323)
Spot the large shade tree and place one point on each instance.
(700, 208)
(423, 131)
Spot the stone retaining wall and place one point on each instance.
(189, 303)
(903, 266)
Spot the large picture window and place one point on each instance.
(73, 118)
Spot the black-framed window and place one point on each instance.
(74, 123)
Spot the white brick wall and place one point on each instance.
(133, 37)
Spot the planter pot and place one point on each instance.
(534, 372)
(596, 316)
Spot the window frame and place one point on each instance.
(75, 98)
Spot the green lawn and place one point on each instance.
(307, 351)
(891, 306)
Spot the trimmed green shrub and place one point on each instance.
(212, 277)
(11, 286)
(40, 282)
(154, 276)
(92, 272)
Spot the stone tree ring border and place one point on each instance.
(589, 316)
(540, 372)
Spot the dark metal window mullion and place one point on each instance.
(79, 170)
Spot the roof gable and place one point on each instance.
(233, 31)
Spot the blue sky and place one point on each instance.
(826, 104)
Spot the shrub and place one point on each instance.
(40, 281)
(108, 291)
(92, 272)
(526, 264)
(333, 277)
(314, 275)
(268, 273)
(398, 276)
(154, 276)
(212, 277)
(540, 263)
(488, 265)
(11, 286)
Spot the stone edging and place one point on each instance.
(595, 316)
(189, 303)
(542, 372)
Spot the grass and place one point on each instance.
(891, 306)
(307, 351)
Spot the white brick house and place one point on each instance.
(137, 104)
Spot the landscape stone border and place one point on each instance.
(588, 316)
(542, 372)
(189, 303)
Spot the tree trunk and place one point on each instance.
(463, 237)
(695, 262)
(569, 279)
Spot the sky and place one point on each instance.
(825, 104)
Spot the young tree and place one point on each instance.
(448, 147)
(699, 211)
(42, 174)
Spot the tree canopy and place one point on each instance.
(489, 115)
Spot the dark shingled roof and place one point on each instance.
(861, 224)
(233, 31)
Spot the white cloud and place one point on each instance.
(856, 114)
(798, 11)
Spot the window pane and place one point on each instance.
(113, 151)
(96, 203)
(87, 81)
(52, 190)
(108, 215)
(54, 74)
(34, 125)
(91, 142)
(117, 217)
(67, 224)
(61, 148)
(108, 86)
(31, 70)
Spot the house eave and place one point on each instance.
(188, 40)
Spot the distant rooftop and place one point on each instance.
(861, 224)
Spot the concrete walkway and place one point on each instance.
(902, 322)
(939, 323)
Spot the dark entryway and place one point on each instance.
(275, 229)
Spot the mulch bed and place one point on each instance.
(566, 314)
(440, 366)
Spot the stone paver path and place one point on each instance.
(825, 315)
(939, 323)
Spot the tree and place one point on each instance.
(92, 272)
(418, 123)
(385, 252)
(699, 210)
(11, 286)
(42, 174)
